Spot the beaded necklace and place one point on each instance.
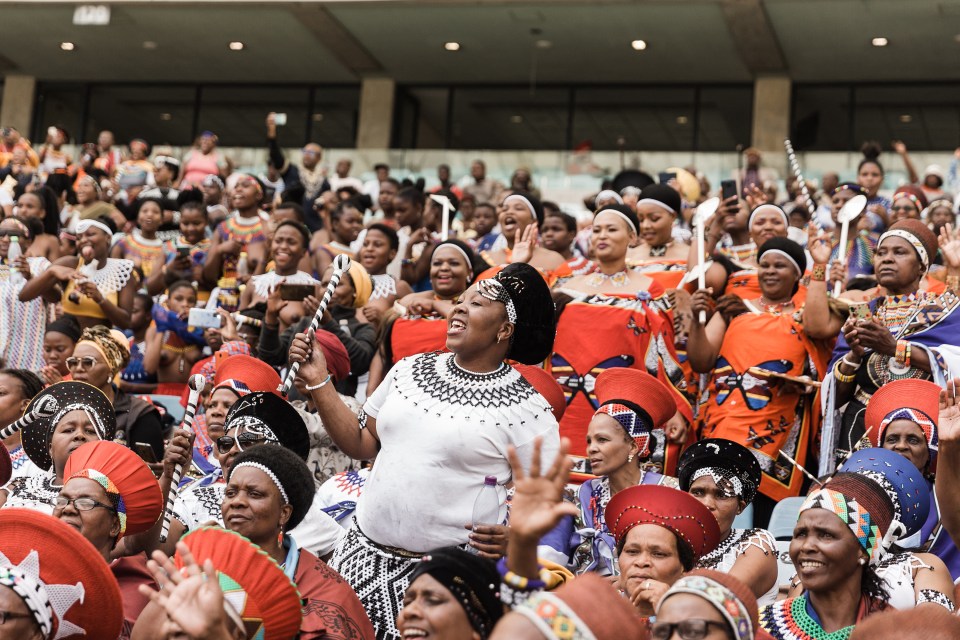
(598, 279)
(740, 253)
(775, 308)
(789, 620)
(896, 311)
(660, 251)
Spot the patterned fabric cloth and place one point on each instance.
(379, 575)
(35, 492)
(338, 496)
(198, 503)
(899, 573)
(22, 324)
(849, 511)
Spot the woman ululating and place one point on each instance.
(521, 214)
(101, 295)
(631, 326)
(744, 347)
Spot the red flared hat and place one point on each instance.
(63, 580)
(546, 385)
(252, 582)
(623, 385)
(124, 475)
(666, 507)
(245, 374)
(908, 399)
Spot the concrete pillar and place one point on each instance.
(18, 97)
(771, 112)
(375, 124)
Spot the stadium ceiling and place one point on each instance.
(518, 41)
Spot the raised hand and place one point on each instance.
(818, 244)
(948, 424)
(538, 503)
(525, 243)
(313, 366)
(950, 246)
(192, 598)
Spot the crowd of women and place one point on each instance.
(679, 416)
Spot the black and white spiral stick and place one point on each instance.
(196, 384)
(801, 183)
(341, 264)
(46, 407)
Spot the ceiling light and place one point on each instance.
(451, 46)
(879, 42)
(516, 119)
(149, 44)
(317, 117)
(236, 46)
(166, 116)
(639, 45)
(67, 46)
(682, 120)
(543, 44)
(906, 118)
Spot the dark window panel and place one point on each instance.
(924, 116)
(821, 118)
(58, 104)
(509, 118)
(421, 119)
(645, 118)
(725, 118)
(161, 115)
(237, 114)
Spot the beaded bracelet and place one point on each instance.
(406, 262)
(819, 273)
(953, 283)
(318, 386)
(520, 582)
(839, 376)
(513, 597)
(902, 354)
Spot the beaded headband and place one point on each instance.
(493, 289)
(450, 245)
(726, 480)
(851, 514)
(270, 474)
(253, 424)
(554, 618)
(722, 598)
(83, 225)
(110, 488)
(928, 426)
(31, 590)
(91, 179)
(21, 226)
(914, 242)
(634, 424)
(909, 196)
(618, 213)
(529, 204)
(662, 205)
(787, 256)
(768, 207)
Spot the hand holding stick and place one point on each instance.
(196, 384)
(46, 407)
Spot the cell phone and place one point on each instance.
(183, 252)
(145, 452)
(728, 189)
(860, 310)
(666, 177)
(204, 319)
(296, 292)
(280, 119)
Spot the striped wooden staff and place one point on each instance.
(46, 407)
(341, 264)
(196, 384)
(801, 183)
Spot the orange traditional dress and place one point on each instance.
(742, 402)
(599, 331)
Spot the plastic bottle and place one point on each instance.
(13, 253)
(486, 508)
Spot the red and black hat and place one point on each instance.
(637, 401)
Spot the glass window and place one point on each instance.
(821, 118)
(649, 118)
(333, 120)
(923, 116)
(61, 105)
(421, 118)
(725, 118)
(161, 115)
(509, 118)
(238, 114)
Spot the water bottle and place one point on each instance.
(242, 268)
(14, 253)
(486, 508)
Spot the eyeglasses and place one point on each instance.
(245, 440)
(309, 152)
(81, 504)
(10, 615)
(689, 629)
(88, 362)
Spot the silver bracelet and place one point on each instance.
(847, 362)
(322, 384)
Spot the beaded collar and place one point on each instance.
(789, 620)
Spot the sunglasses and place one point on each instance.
(88, 362)
(243, 441)
(8, 233)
